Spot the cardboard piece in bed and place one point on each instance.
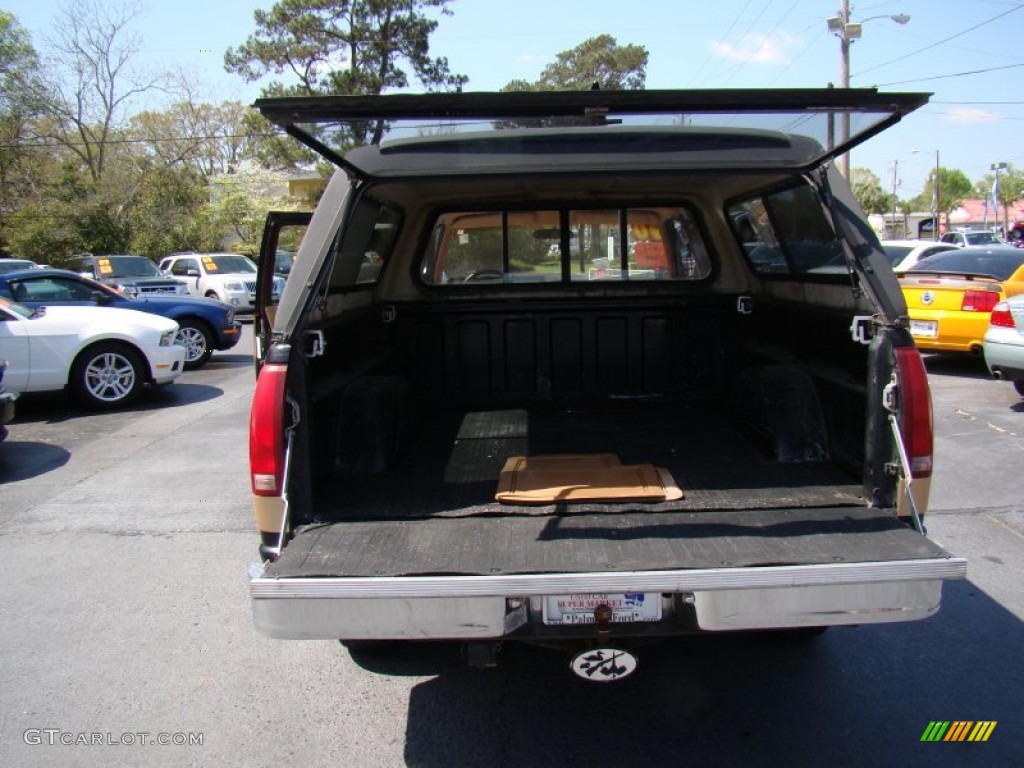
(582, 477)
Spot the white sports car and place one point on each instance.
(103, 355)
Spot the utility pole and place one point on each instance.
(844, 82)
(935, 192)
(847, 31)
(997, 167)
(895, 183)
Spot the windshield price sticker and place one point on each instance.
(626, 608)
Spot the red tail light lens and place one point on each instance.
(916, 411)
(979, 301)
(266, 431)
(1002, 316)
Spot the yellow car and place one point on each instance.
(950, 295)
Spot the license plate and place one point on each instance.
(926, 328)
(626, 607)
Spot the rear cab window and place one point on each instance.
(562, 244)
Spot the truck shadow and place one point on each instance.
(853, 696)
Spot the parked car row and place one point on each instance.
(965, 298)
(204, 325)
(227, 277)
(115, 324)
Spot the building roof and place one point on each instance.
(975, 212)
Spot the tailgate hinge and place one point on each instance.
(316, 343)
(862, 328)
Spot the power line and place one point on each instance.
(803, 50)
(945, 77)
(728, 31)
(746, 36)
(56, 143)
(960, 103)
(940, 42)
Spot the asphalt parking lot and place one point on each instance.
(125, 539)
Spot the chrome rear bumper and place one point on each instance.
(462, 607)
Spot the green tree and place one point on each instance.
(240, 204)
(598, 62)
(209, 138)
(1011, 189)
(954, 186)
(19, 105)
(19, 70)
(70, 213)
(867, 188)
(166, 212)
(343, 47)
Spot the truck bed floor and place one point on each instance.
(436, 514)
(452, 469)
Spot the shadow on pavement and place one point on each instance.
(957, 365)
(853, 696)
(57, 407)
(226, 360)
(24, 460)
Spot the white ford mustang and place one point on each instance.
(103, 355)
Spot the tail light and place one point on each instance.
(979, 301)
(266, 431)
(1002, 316)
(916, 411)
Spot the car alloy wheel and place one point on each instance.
(196, 341)
(107, 375)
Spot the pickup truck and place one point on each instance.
(483, 414)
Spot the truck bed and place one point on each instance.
(452, 468)
(741, 507)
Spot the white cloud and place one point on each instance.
(965, 115)
(758, 49)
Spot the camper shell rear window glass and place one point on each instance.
(787, 232)
(364, 244)
(559, 245)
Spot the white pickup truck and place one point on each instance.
(587, 369)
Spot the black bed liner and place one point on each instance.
(436, 513)
(452, 469)
(577, 543)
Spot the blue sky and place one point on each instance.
(973, 120)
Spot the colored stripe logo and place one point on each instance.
(958, 730)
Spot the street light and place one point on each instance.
(847, 31)
(935, 191)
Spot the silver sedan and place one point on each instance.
(1004, 342)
